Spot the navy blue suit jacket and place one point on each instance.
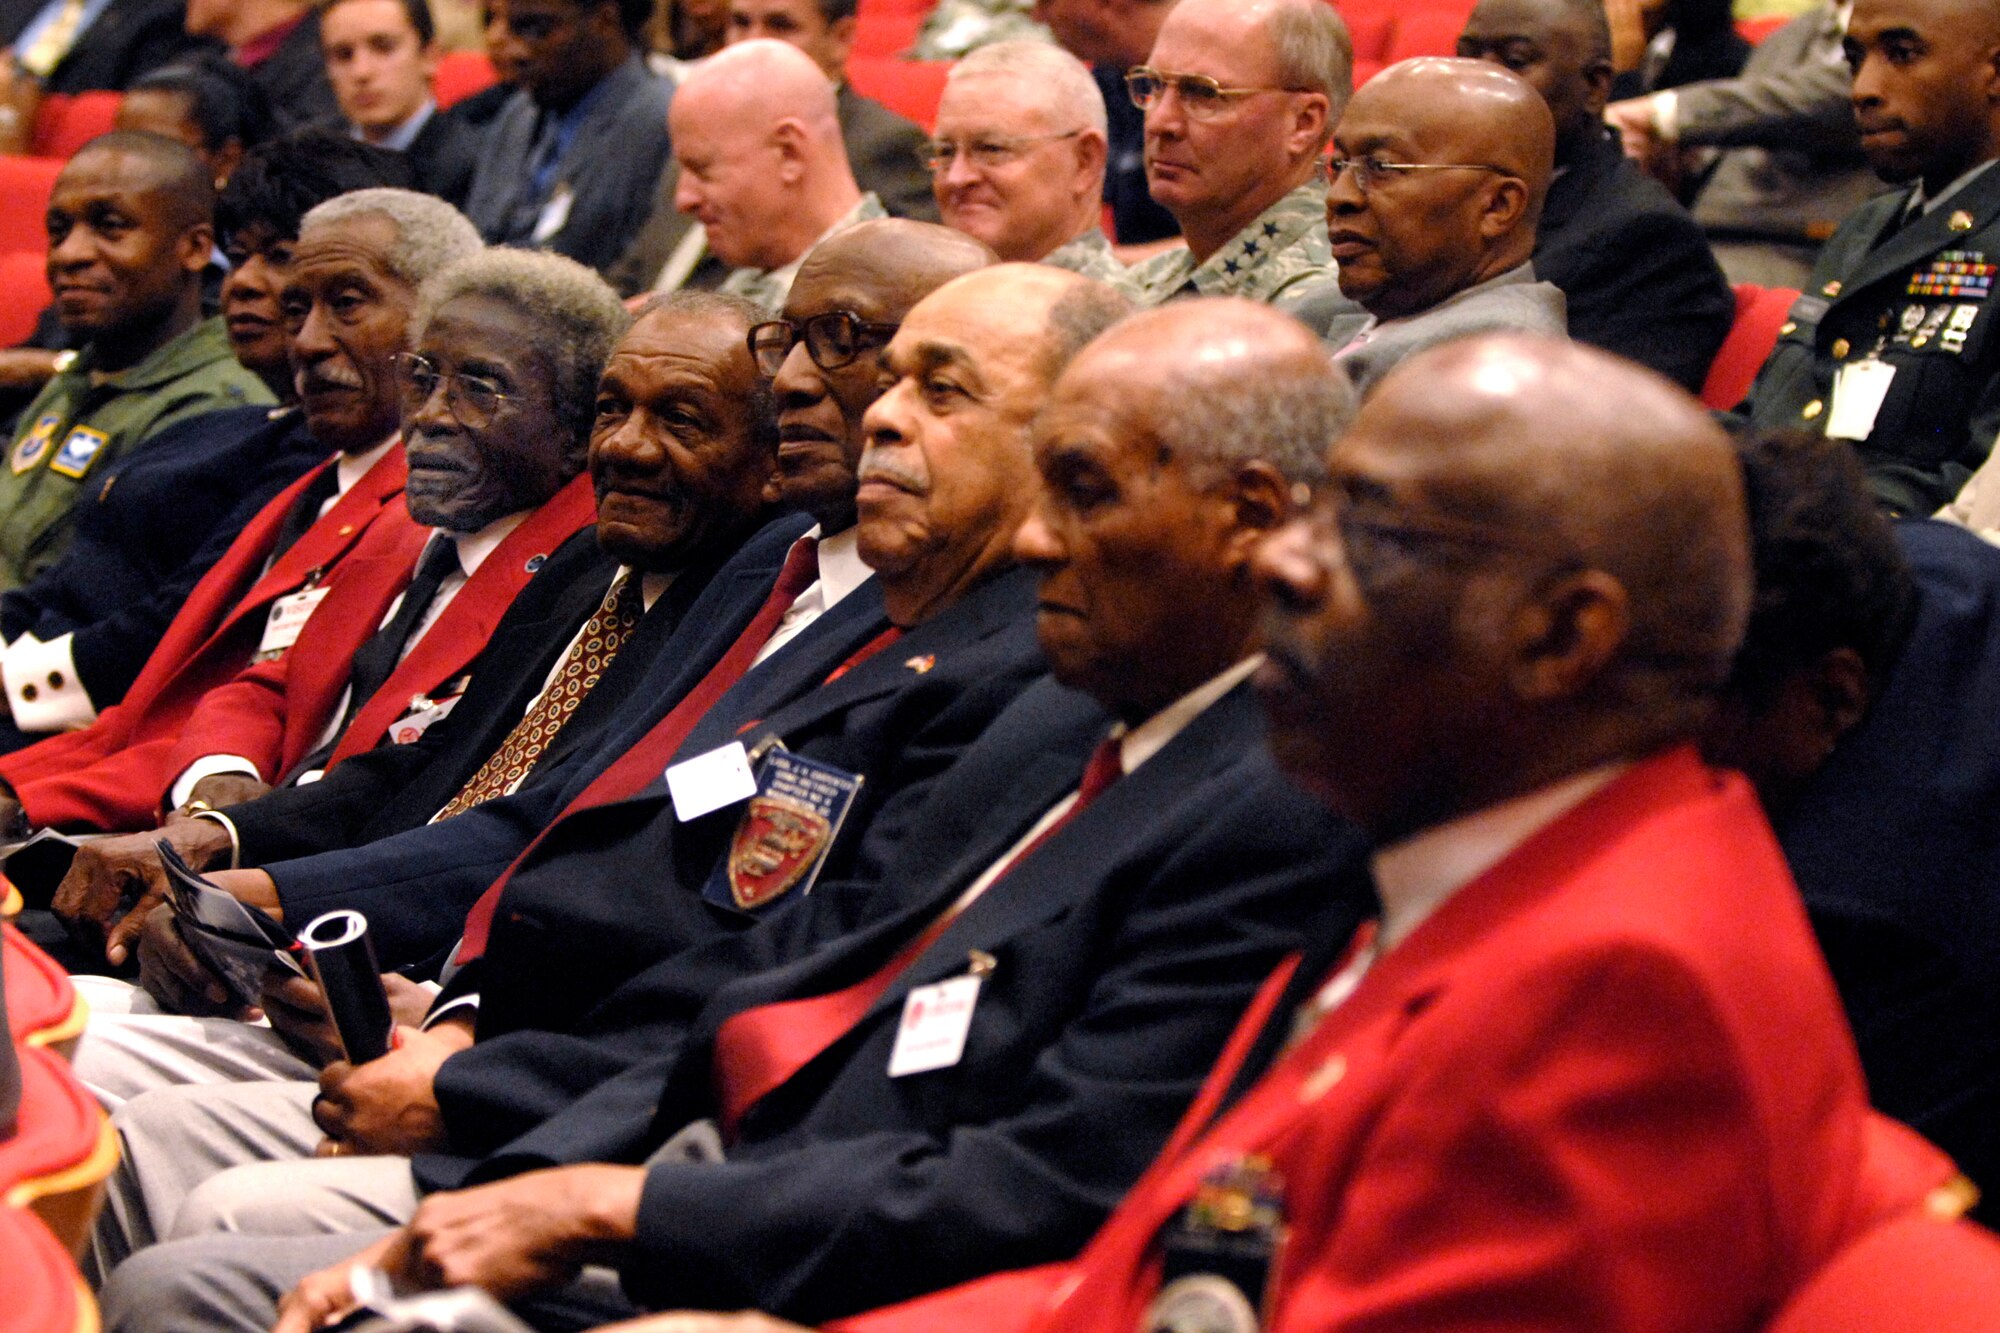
(1123, 951)
(147, 532)
(1895, 844)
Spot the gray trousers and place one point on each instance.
(132, 1046)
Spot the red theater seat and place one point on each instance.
(43, 1008)
(24, 293)
(911, 88)
(1425, 32)
(64, 124)
(61, 1150)
(25, 186)
(1914, 1275)
(884, 34)
(461, 74)
(1760, 311)
(44, 1292)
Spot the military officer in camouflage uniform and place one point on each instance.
(1018, 157)
(1240, 98)
(1893, 343)
(131, 227)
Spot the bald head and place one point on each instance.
(155, 163)
(1486, 605)
(762, 164)
(947, 474)
(1561, 48)
(1407, 244)
(896, 255)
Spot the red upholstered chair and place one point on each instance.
(62, 1149)
(64, 124)
(461, 74)
(1426, 32)
(1365, 70)
(24, 292)
(43, 1008)
(25, 186)
(1760, 312)
(45, 1293)
(1756, 30)
(1371, 34)
(1917, 1274)
(880, 34)
(911, 88)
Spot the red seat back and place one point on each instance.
(43, 1008)
(24, 294)
(65, 124)
(1760, 311)
(60, 1152)
(1425, 32)
(1914, 1275)
(25, 186)
(45, 1293)
(910, 88)
(461, 74)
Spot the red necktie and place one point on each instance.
(864, 652)
(632, 771)
(758, 1050)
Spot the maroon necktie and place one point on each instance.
(760, 1049)
(630, 773)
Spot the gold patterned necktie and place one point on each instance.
(54, 41)
(603, 635)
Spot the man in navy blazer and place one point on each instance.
(1107, 871)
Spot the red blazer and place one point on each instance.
(274, 713)
(98, 777)
(1607, 1086)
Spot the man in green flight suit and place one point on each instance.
(1240, 98)
(130, 229)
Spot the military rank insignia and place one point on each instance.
(1955, 275)
(79, 450)
(785, 832)
(1220, 1253)
(33, 447)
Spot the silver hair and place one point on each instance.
(1286, 415)
(1315, 53)
(576, 315)
(697, 304)
(1057, 80)
(430, 233)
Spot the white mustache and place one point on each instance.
(334, 373)
(876, 468)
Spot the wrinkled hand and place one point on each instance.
(389, 1106)
(322, 1297)
(703, 1321)
(524, 1235)
(297, 1009)
(171, 974)
(226, 789)
(114, 883)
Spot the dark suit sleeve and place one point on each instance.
(813, 1228)
(1651, 292)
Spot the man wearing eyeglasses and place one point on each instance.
(762, 165)
(1439, 170)
(1239, 101)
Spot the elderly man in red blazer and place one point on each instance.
(1586, 1070)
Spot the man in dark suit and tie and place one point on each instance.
(381, 56)
(1080, 905)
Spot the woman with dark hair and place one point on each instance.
(208, 103)
(1659, 44)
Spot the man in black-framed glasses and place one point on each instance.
(1239, 98)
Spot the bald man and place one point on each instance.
(1586, 1069)
(1439, 171)
(131, 228)
(1634, 268)
(1895, 344)
(1239, 97)
(762, 166)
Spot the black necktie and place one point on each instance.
(379, 656)
(305, 510)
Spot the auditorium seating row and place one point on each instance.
(54, 1160)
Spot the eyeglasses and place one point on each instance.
(985, 154)
(473, 399)
(1382, 544)
(1370, 172)
(1201, 97)
(832, 340)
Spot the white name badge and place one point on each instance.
(710, 781)
(288, 616)
(1858, 390)
(935, 1021)
(412, 726)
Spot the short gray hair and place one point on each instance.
(1057, 80)
(577, 317)
(430, 234)
(1315, 53)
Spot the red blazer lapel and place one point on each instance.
(451, 643)
(336, 532)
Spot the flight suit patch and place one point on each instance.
(79, 450)
(33, 447)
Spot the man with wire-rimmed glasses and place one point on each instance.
(1239, 100)
(1436, 183)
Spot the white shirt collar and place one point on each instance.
(841, 569)
(350, 468)
(474, 547)
(1147, 739)
(1416, 876)
(405, 134)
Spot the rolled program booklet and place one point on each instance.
(342, 957)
